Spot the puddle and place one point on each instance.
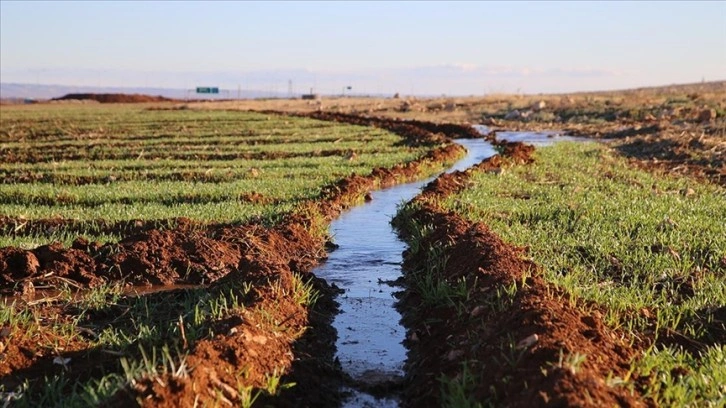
(367, 260)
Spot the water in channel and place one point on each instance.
(368, 259)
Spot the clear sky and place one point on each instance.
(420, 47)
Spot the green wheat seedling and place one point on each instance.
(127, 163)
(457, 392)
(647, 248)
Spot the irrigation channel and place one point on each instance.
(366, 264)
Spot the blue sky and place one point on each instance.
(420, 47)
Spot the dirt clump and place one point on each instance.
(707, 115)
(73, 264)
(16, 263)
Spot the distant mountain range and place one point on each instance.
(20, 91)
(33, 91)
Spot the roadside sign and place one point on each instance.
(207, 89)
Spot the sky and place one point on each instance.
(424, 48)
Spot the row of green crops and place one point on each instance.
(650, 249)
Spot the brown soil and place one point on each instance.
(418, 132)
(244, 345)
(514, 344)
(113, 98)
(696, 151)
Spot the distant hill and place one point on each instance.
(114, 98)
(32, 91)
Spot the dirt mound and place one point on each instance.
(150, 258)
(416, 132)
(113, 98)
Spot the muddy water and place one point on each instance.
(365, 265)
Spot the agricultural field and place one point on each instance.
(593, 276)
(678, 128)
(94, 166)
(139, 243)
(160, 254)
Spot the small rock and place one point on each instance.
(477, 311)
(260, 339)
(538, 106)
(687, 192)
(513, 115)
(61, 361)
(454, 354)
(528, 341)
(489, 122)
